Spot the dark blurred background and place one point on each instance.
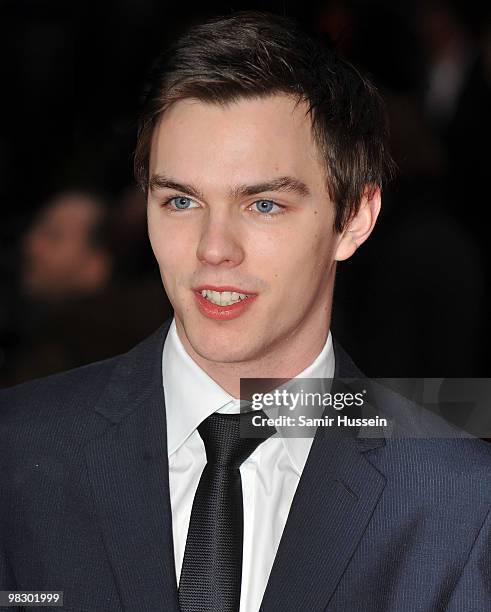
(78, 279)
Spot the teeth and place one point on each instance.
(224, 298)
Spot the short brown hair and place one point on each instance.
(248, 55)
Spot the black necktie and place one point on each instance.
(212, 566)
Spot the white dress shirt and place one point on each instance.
(269, 476)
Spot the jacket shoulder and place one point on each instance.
(54, 414)
(74, 388)
(62, 411)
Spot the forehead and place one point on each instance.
(246, 140)
(69, 212)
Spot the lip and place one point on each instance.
(223, 313)
(223, 288)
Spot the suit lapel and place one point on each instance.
(334, 501)
(128, 471)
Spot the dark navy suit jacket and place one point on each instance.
(376, 525)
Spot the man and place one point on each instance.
(65, 262)
(64, 254)
(126, 483)
(73, 307)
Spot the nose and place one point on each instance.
(220, 242)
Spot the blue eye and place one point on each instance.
(181, 202)
(264, 206)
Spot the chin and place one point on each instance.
(221, 352)
(220, 348)
(224, 357)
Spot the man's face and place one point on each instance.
(56, 247)
(238, 201)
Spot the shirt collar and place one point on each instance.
(191, 395)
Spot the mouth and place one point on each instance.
(223, 303)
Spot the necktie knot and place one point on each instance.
(230, 439)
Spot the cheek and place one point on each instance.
(302, 267)
(171, 263)
(170, 244)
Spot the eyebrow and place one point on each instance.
(281, 184)
(160, 181)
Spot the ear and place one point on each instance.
(360, 226)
